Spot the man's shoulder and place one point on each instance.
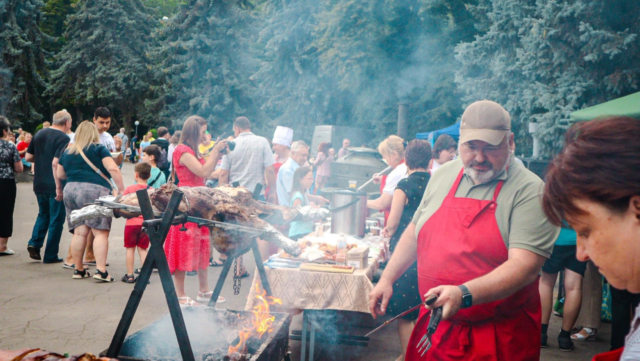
(522, 178)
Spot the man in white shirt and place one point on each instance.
(284, 183)
(102, 120)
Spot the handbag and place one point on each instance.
(114, 191)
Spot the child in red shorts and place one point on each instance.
(133, 235)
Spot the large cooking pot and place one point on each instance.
(348, 212)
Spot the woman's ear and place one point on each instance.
(634, 206)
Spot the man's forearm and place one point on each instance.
(54, 165)
(271, 179)
(518, 271)
(29, 157)
(403, 257)
(224, 177)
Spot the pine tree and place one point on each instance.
(547, 58)
(207, 60)
(22, 60)
(105, 60)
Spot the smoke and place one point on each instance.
(421, 71)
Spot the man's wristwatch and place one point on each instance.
(467, 298)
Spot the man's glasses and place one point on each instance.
(490, 150)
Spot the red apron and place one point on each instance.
(609, 356)
(459, 243)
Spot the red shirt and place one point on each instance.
(132, 189)
(22, 146)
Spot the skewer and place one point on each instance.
(427, 302)
(371, 180)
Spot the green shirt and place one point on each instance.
(519, 214)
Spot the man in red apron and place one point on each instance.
(480, 237)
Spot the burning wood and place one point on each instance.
(222, 204)
(39, 355)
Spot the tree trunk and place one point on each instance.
(78, 115)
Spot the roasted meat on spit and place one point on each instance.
(222, 204)
(40, 355)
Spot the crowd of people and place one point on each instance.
(466, 221)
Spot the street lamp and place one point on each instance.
(137, 123)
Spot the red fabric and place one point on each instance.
(134, 237)
(138, 220)
(276, 168)
(463, 242)
(188, 250)
(22, 146)
(387, 211)
(609, 356)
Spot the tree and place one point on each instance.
(105, 60)
(547, 58)
(162, 8)
(22, 60)
(207, 60)
(54, 22)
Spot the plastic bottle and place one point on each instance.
(341, 255)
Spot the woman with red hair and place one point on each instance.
(594, 183)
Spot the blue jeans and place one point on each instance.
(51, 217)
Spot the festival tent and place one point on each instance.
(453, 131)
(626, 106)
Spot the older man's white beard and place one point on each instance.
(483, 177)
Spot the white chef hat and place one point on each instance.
(283, 136)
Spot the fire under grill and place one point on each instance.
(211, 333)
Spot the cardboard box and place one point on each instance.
(358, 257)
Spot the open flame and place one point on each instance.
(261, 321)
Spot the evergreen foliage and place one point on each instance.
(54, 23)
(547, 58)
(207, 60)
(105, 59)
(22, 60)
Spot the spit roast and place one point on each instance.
(224, 205)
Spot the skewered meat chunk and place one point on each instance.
(41, 355)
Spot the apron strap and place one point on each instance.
(454, 188)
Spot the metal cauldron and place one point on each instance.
(348, 212)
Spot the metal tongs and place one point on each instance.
(436, 316)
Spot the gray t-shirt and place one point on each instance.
(632, 345)
(246, 164)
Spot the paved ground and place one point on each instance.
(41, 306)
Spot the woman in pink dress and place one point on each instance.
(188, 250)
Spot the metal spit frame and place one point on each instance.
(157, 230)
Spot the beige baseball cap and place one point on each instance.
(486, 121)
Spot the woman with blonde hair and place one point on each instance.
(86, 165)
(392, 150)
(189, 251)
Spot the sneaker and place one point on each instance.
(103, 277)
(543, 342)
(57, 260)
(78, 275)
(34, 253)
(566, 344)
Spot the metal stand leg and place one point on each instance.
(312, 339)
(155, 258)
(223, 276)
(303, 349)
(260, 266)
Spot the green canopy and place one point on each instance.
(626, 106)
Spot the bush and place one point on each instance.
(38, 128)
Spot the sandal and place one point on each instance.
(188, 302)
(72, 266)
(103, 276)
(205, 297)
(246, 274)
(217, 262)
(129, 279)
(77, 275)
(585, 334)
(138, 270)
(92, 263)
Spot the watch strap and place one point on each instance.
(467, 298)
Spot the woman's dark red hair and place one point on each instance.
(600, 162)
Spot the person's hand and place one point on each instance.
(59, 194)
(449, 297)
(322, 200)
(386, 233)
(118, 142)
(379, 298)
(271, 198)
(220, 146)
(377, 178)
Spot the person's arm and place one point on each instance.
(215, 174)
(60, 172)
(397, 208)
(270, 174)
(224, 177)
(321, 201)
(114, 170)
(203, 170)
(518, 271)
(321, 157)
(382, 203)
(54, 165)
(403, 257)
(18, 167)
(29, 157)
